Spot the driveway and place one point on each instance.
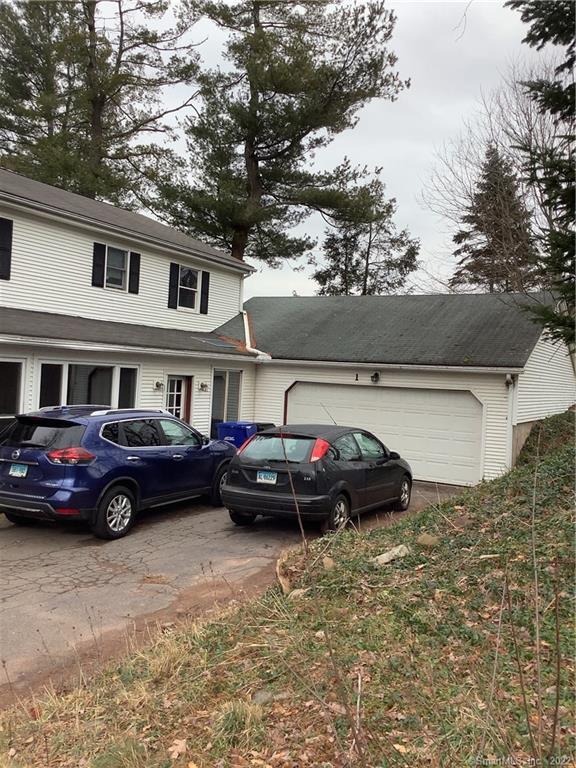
(69, 600)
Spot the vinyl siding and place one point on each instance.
(151, 368)
(272, 381)
(52, 272)
(548, 383)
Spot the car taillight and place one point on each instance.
(245, 443)
(319, 450)
(70, 456)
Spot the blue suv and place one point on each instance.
(94, 463)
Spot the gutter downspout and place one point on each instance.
(260, 356)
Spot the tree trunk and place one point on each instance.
(253, 180)
(239, 242)
(96, 104)
(367, 262)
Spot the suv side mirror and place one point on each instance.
(205, 439)
(394, 455)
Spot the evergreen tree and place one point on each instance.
(495, 245)
(298, 74)
(80, 87)
(553, 167)
(365, 255)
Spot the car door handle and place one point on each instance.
(132, 458)
(177, 456)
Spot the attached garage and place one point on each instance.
(439, 430)
(452, 382)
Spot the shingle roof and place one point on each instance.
(472, 330)
(50, 326)
(33, 194)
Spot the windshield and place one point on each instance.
(269, 448)
(42, 434)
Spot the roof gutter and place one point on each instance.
(260, 356)
(134, 235)
(87, 346)
(503, 370)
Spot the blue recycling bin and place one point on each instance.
(237, 432)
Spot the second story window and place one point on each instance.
(116, 268)
(188, 288)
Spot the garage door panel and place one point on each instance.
(437, 431)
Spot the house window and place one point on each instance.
(225, 398)
(50, 385)
(11, 380)
(86, 384)
(188, 287)
(89, 384)
(116, 269)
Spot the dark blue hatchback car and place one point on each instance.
(94, 463)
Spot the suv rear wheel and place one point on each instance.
(115, 515)
(17, 519)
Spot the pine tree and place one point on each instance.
(365, 254)
(553, 167)
(298, 74)
(80, 90)
(495, 245)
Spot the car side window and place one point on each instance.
(111, 432)
(348, 448)
(140, 433)
(370, 447)
(177, 434)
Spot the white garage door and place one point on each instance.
(438, 431)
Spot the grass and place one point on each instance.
(410, 664)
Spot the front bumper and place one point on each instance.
(40, 509)
(275, 504)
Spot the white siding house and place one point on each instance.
(103, 305)
(106, 306)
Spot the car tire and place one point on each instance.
(17, 519)
(116, 513)
(219, 480)
(339, 516)
(242, 518)
(404, 493)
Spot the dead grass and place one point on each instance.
(419, 653)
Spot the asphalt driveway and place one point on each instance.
(68, 600)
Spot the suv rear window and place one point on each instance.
(42, 433)
(269, 448)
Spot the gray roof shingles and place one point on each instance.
(51, 326)
(21, 190)
(469, 330)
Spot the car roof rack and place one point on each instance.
(108, 411)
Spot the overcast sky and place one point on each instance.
(452, 52)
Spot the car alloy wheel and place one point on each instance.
(403, 501)
(405, 492)
(119, 513)
(339, 516)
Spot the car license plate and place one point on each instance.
(266, 477)
(18, 470)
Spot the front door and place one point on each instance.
(178, 396)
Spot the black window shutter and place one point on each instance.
(134, 273)
(5, 248)
(204, 292)
(173, 286)
(98, 261)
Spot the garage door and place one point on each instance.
(438, 431)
